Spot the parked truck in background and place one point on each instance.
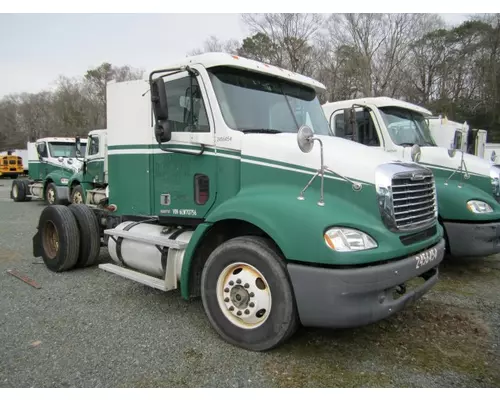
(89, 184)
(224, 181)
(51, 162)
(467, 186)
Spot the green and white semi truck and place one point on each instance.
(51, 163)
(224, 182)
(468, 188)
(89, 185)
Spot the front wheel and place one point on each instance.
(77, 195)
(247, 294)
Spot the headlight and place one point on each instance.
(64, 181)
(346, 239)
(479, 207)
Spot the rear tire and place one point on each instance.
(18, 191)
(59, 238)
(253, 308)
(90, 239)
(26, 189)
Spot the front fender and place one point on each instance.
(298, 226)
(59, 177)
(453, 197)
(76, 178)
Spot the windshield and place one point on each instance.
(406, 127)
(63, 149)
(252, 102)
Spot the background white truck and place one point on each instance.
(468, 187)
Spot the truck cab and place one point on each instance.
(467, 186)
(89, 184)
(51, 162)
(225, 182)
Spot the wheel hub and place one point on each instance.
(77, 198)
(50, 196)
(244, 295)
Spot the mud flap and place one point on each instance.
(37, 248)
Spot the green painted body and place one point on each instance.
(453, 195)
(261, 195)
(46, 172)
(93, 175)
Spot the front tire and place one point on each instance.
(59, 238)
(77, 195)
(247, 294)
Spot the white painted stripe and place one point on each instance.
(289, 169)
(451, 169)
(159, 151)
(235, 157)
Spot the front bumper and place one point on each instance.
(344, 298)
(473, 240)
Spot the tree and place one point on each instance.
(214, 44)
(291, 37)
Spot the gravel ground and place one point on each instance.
(89, 328)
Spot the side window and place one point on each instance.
(366, 132)
(186, 109)
(42, 150)
(93, 145)
(339, 126)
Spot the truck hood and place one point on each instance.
(344, 157)
(438, 157)
(71, 164)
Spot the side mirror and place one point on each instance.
(305, 139)
(40, 148)
(78, 146)
(163, 133)
(350, 123)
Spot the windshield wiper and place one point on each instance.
(405, 144)
(261, 130)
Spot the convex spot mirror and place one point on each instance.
(305, 139)
(416, 152)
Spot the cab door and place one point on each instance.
(184, 184)
(43, 156)
(94, 160)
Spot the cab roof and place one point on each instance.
(374, 101)
(214, 59)
(61, 139)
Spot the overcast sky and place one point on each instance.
(36, 48)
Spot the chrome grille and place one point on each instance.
(413, 200)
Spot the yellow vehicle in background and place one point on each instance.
(11, 166)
